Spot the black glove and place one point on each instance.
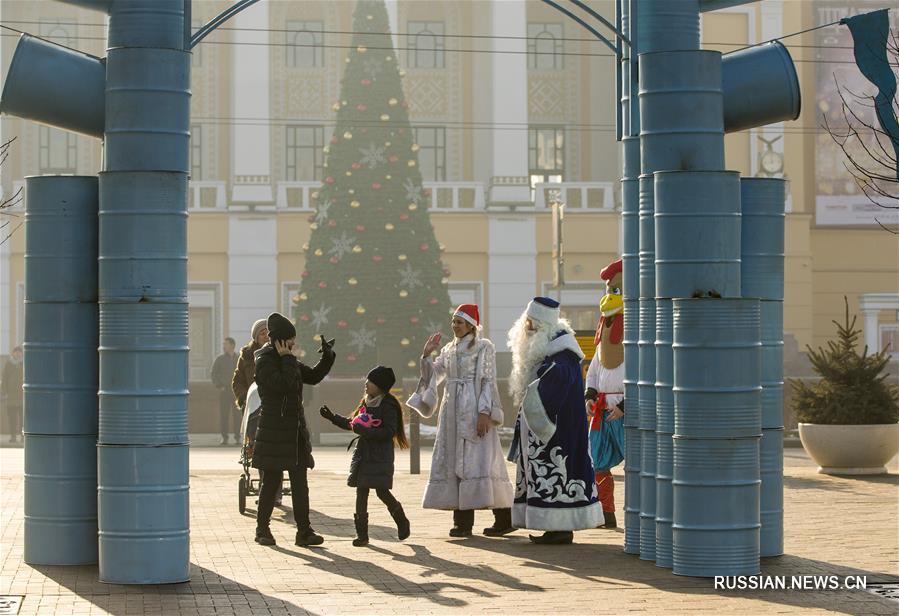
(326, 413)
(326, 345)
(310, 461)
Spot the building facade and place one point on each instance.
(513, 108)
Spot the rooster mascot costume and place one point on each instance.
(605, 391)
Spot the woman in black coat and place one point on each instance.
(282, 438)
(378, 421)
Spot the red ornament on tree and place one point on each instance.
(380, 320)
(329, 180)
(334, 260)
(323, 285)
(404, 217)
(342, 324)
(332, 223)
(366, 82)
(376, 185)
(356, 166)
(304, 318)
(351, 358)
(360, 228)
(433, 301)
(393, 158)
(414, 320)
(305, 274)
(334, 139)
(361, 107)
(423, 248)
(377, 258)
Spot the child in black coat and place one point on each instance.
(378, 421)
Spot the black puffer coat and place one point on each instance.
(372, 463)
(282, 438)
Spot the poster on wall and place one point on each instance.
(838, 198)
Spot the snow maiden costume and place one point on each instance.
(555, 489)
(605, 387)
(468, 471)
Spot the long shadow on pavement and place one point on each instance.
(206, 590)
(381, 579)
(598, 563)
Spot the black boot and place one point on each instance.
(264, 536)
(610, 521)
(463, 520)
(402, 522)
(306, 536)
(502, 523)
(553, 537)
(361, 521)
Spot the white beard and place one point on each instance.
(528, 352)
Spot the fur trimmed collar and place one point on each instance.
(564, 341)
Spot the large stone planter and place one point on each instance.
(850, 450)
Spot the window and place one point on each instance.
(58, 151)
(60, 33)
(196, 152)
(305, 152)
(305, 40)
(889, 340)
(426, 44)
(546, 154)
(545, 46)
(432, 152)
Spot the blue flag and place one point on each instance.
(869, 35)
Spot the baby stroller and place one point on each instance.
(247, 486)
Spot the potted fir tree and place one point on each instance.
(848, 419)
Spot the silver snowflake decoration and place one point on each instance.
(413, 192)
(409, 277)
(321, 215)
(361, 339)
(320, 317)
(371, 67)
(341, 245)
(372, 156)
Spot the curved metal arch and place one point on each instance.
(587, 26)
(618, 33)
(218, 20)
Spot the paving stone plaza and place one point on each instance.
(834, 526)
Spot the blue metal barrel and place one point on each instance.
(143, 235)
(143, 505)
(772, 375)
(664, 429)
(697, 217)
(147, 23)
(60, 499)
(142, 84)
(55, 85)
(632, 447)
(716, 506)
(630, 244)
(647, 240)
(143, 367)
(717, 368)
(60, 371)
(648, 448)
(681, 115)
(771, 455)
(668, 25)
(760, 87)
(762, 237)
(61, 238)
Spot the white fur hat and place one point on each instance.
(543, 309)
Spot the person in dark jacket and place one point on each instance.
(222, 374)
(378, 421)
(282, 439)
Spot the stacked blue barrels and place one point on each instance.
(762, 272)
(631, 292)
(143, 440)
(60, 381)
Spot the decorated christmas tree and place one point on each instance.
(373, 276)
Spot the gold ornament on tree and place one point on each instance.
(360, 309)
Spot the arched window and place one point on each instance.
(426, 44)
(304, 44)
(545, 46)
